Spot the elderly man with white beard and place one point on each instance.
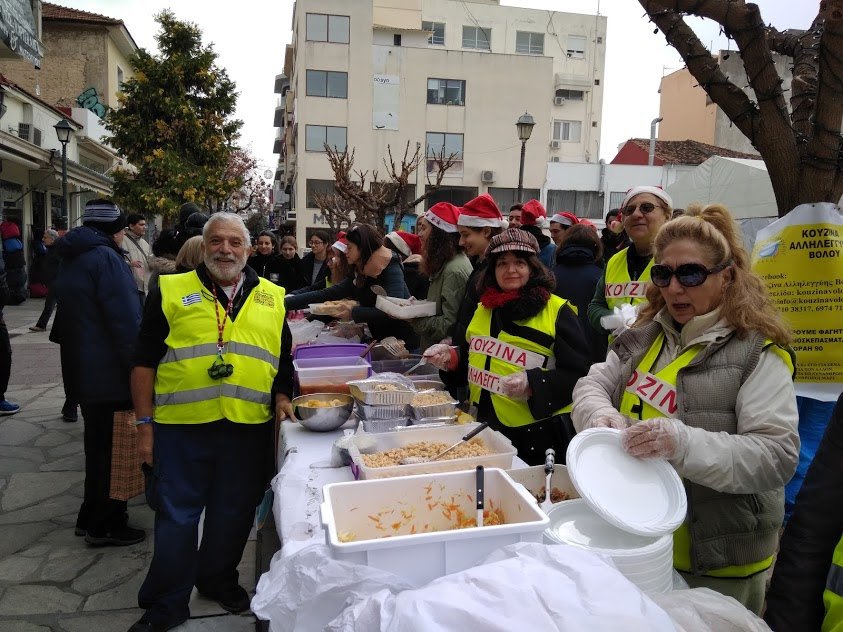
(212, 370)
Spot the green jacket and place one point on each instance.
(447, 290)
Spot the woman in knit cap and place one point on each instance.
(408, 247)
(533, 215)
(447, 268)
(644, 210)
(523, 351)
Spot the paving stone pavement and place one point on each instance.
(50, 580)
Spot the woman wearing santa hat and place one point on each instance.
(447, 268)
(533, 215)
(408, 247)
(644, 210)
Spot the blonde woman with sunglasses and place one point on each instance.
(644, 211)
(704, 380)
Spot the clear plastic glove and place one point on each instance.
(621, 319)
(438, 355)
(516, 385)
(616, 421)
(654, 438)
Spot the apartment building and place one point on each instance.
(439, 74)
(688, 113)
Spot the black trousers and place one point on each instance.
(99, 514)
(49, 306)
(534, 439)
(5, 357)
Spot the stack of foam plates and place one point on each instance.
(629, 508)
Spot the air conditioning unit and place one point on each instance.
(487, 176)
(555, 144)
(554, 159)
(559, 100)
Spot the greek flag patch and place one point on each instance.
(190, 299)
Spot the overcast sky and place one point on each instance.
(250, 35)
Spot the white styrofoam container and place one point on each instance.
(500, 446)
(423, 556)
(403, 308)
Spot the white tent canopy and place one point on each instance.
(742, 185)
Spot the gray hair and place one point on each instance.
(227, 218)
(51, 233)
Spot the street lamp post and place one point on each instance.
(63, 131)
(524, 125)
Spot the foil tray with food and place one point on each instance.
(383, 389)
(433, 404)
(332, 308)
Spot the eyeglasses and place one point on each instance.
(316, 242)
(645, 207)
(688, 274)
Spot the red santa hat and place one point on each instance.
(481, 211)
(565, 218)
(444, 216)
(340, 244)
(406, 243)
(532, 213)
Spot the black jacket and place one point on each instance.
(795, 598)
(577, 271)
(307, 264)
(292, 275)
(266, 265)
(98, 316)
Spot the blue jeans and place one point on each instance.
(221, 467)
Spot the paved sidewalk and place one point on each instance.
(50, 580)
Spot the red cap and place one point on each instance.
(565, 218)
(479, 212)
(531, 211)
(406, 243)
(444, 216)
(341, 244)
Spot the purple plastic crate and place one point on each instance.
(347, 350)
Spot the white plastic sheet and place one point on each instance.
(704, 609)
(520, 587)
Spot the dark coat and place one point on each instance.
(795, 598)
(307, 264)
(417, 283)
(391, 279)
(292, 274)
(46, 267)
(266, 265)
(98, 316)
(577, 271)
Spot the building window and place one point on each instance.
(396, 39)
(477, 38)
(446, 92)
(120, 78)
(444, 144)
(317, 187)
(317, 136)
(327, 28)
(616, 198)
(327, 83)
(506, 197)
(576, 46)
(588, 204)
(569, 131)
(437, 32)
(571, 95)
(529, 43)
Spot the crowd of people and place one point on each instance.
(544, 326)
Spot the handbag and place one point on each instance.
(127, 480)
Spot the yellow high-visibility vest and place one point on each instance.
(620, 288)
(184, 392)
(833, 593)
(649, 395)
(490, 359)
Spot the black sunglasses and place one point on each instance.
(688, 274)
(645, 207)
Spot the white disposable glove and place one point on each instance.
(653, 438)
(621, 319)
(616, 421)
(516, 385)
(438, 355)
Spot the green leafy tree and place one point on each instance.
(175, 124)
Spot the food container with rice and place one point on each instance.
(432, 404)
(422, 527)
(382, 390)
(372, 412)
(382, 458)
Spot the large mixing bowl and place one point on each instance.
(326, 417)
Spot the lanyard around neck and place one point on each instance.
(226, 313)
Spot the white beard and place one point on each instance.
(224, 271)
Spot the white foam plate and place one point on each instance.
(641, 496)
(574, 522)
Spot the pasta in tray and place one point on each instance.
(432, 398)
(425, 450)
